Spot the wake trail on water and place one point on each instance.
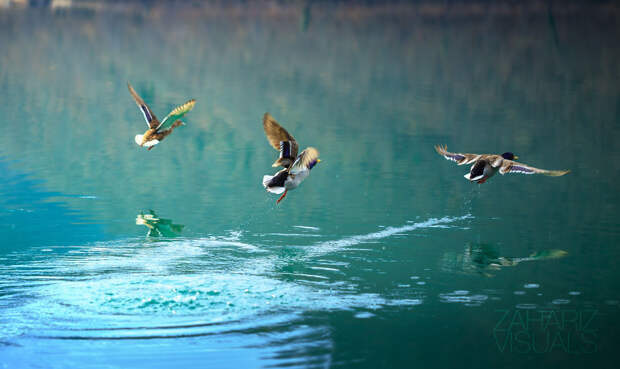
(326, 247)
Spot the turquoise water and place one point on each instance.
(114, 256)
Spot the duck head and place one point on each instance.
(177, 123)
(509, 156)
(313, 163)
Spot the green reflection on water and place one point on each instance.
(158, 227)
(486, 259)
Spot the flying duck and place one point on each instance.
(296, 167)
(158, 131)
(484, 166)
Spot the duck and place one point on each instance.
(485, 166)
(296, 167)
(158, 131)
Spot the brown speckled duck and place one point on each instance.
(158, 131)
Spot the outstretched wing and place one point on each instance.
(176, 114)
(279, 138)
(151, 119)
(306, 160)
(509, 166)
(460, 159)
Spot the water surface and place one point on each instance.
(112, 256)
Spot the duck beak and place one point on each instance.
(516, 157)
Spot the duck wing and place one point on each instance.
(509, 166)
(151, 119)
(459, 158)
(176, 114)
(306, 160)
(280, 139)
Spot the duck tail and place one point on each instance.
(270, 186)
(266, 180)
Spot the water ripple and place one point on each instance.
(167, 288)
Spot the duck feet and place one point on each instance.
(281, 197)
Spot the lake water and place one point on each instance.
(112, 256)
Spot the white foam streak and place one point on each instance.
(308, 227)
(326, 247)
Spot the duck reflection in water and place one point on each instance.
(158, 227)
(485, 258)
